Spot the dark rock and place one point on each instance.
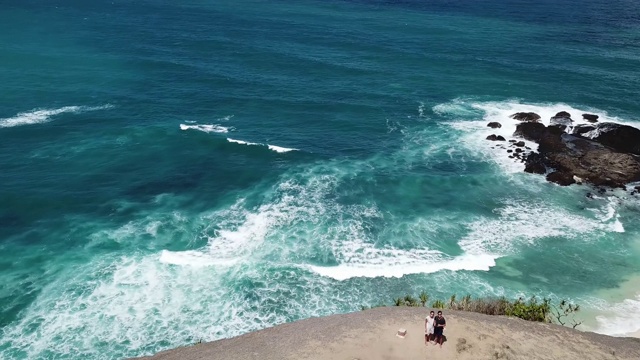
(560, 178)
(519, 144)
(590, 117)
(557, 129)
(561, 120)
(637, 188)
(512, 141)
(494, 137)
(589, 195)
(530, 130)
(604, 154)
(534, 163)
(582, 129)
(494, 125)
(526, 116)
(622, 138)
(509, 151)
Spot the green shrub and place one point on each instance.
(530, 310)
(424, 298)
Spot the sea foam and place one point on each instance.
(277, 149)
(208, 128)
(38, 116)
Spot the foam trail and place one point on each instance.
(279, 149)
(194, 259)
(400, 267)
(241, 142)
(38, 116)
(205, 128)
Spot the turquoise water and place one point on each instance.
(178, 171)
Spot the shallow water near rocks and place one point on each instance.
(177, 172)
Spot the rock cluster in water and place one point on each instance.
(602, 154)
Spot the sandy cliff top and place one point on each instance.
(371, 335)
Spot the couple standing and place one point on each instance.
(434, 327)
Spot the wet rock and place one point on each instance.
(582, 129)
(560, 178)
(509, 151)
(530, 131)
(563, 114)
(494, 137)
(622, 138)
(590, 117)
(526, 116)
(512, 141)
(603, 154)
(599, 163)
(562, 120)
(494, 125)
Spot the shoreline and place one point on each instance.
(371, 334)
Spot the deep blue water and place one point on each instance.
(176, 171)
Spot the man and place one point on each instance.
(429, 322)
(440, 324)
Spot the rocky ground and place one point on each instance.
(602, 154)
(371, 335)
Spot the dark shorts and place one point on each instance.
(438, 331)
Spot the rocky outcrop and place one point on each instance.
(494, 137)
(622, 138)
(526, 116)
(494, 125)
(590, 117)
(562, 120)
(534, 163)
(604, 155)
(532, 131)
(560, 178)
(582, 129)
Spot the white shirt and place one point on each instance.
(430, 321)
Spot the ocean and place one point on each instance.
(178, 171)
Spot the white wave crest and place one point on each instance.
(277, 149)
(205, 128)
(280, 149)
(242, 142)
(38, 116)
(399, 263)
